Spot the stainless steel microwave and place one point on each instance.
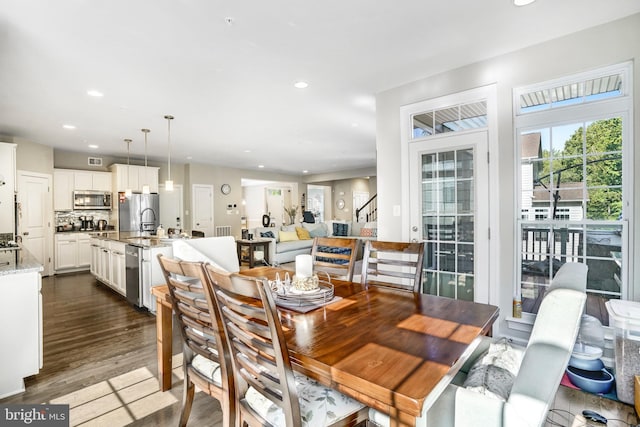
(91, 200)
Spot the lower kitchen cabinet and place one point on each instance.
(107, 263)
(73, 251)
(118, 268)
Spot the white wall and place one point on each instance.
(593, 48)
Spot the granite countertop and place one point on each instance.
(134, 238)
(18, 261)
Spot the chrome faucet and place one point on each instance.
(142, 224)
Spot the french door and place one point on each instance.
(449, 211)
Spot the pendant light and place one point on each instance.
(168, 184)
(145, 187)
(127, 192)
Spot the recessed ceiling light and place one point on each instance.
(189, 157)
(95, 93)
(522, 2)
(68, 126)
(305, 171)
(354, 125)
(301, 85)
(261, 166)
(93, 146)
(247, 151)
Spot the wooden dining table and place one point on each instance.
(393, 350)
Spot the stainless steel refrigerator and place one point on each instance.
(140, 212)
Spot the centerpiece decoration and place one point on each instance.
(304, 279)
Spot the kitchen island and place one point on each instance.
(20, 319)
(132, 276)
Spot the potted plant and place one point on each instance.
(291, 211)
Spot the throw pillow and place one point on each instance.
(288, 236)
(318, 231)
(340, 229)
(494, 371)
(268, 234)
(303, 233)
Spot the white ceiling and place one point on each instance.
(230, 86)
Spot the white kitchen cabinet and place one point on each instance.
(7, 187)
(101, 181)
(95, 255)
(66, 181)
(118, 268)
(66, 251)
(73, 251)
(83, 180)
(84, 250)
(108, 263)
(88, 180)
(63, 182)
(134, 177)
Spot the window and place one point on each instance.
(573, 139)
(450, 119)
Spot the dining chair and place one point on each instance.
(335, 255)
(393, 264)
(206, 360)
(268, 391)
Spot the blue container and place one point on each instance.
(591, 381)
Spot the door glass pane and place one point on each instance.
(448, 222)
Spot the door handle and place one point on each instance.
(26, 233)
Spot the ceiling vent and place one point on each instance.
(95, 161)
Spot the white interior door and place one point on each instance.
(275, 205)
(171, 211)
(35, 215)
(449, 193)
(202, 197)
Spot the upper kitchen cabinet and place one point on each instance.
(87, 180)
(66, 181)
(134, 177)
(7, 186)
(63, 182)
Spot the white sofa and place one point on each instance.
(543, 364)
(281, 251)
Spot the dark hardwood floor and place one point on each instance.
(100, 357)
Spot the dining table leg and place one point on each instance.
(164, 338)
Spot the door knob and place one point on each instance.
(414, 228)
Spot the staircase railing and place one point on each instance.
(370, 210)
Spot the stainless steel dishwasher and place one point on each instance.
(133, 266)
